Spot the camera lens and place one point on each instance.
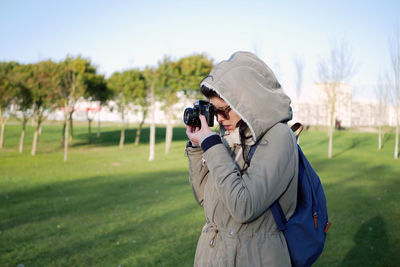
(190, 116)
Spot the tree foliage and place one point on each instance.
(7, 94)
(128, 88)
(43, 83)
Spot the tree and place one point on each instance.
(334, 71)
(136, 81)
(151, 79)
(72, 87)
(167, 85)
(7, 94)
(124, 85)
(23, 75)
(116, 83)
(43, 84)
(381, 93)
(299, 70)
(96, 90)
(394, 79)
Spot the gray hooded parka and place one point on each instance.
(240, 229)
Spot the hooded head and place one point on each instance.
(251, 89)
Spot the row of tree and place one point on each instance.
(35, 90)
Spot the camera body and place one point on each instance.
(191, 115)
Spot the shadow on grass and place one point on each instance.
(111, 138)
(360, 205)
(132, 220)
(355, 143)
(371, 244)
(84, 196)
(386, 138)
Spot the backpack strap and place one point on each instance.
(295, 127)
(253, 148)
(278, 214)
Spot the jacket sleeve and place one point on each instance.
(198, 172)
(247, 195)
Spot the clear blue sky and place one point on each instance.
(118, 35)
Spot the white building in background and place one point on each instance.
(351, 113)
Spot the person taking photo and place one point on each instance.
(236, 193)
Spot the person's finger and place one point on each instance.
(188, 130)
(203, 120)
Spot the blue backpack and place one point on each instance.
(305, 231)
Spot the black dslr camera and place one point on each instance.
(191, 115)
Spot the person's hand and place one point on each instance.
(195, 133)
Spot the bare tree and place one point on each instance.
(334, 72)
(299, 71)
(381, 93)
(394, 78)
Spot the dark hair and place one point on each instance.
(242, 133)
(207, 92)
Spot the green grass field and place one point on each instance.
(111, 207)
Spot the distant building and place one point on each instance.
(350, 113)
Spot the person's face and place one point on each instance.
(225, 115)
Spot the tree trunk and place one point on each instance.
(98, 126)
(330, 141)
(168, 137)
(168, 134)
(21, 140)
(3, 126)
(331, 121)
(63, 134)
(90, 131)
(36, 136)
(66, 136)
(122, 138)
(3, 121)
(153, 124)
(380, 138)
(152, 140)
(138, 132)
(71, 126)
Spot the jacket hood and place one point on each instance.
(251, 89)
